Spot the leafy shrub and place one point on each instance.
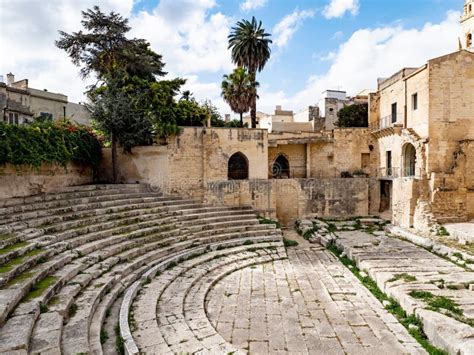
(48, 142)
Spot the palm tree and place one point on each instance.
(239, 91)
(250, 49)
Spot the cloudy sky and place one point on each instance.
(317, 44)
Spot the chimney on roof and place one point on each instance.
(278, 108)
(10, 78)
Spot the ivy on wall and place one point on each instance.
(48, 142)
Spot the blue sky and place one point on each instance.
(318, 44)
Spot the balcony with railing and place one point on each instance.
(387, 123)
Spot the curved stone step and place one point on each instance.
(83, 246)
(58, 202)
(159, 266)
(52, 216)
(167, 294)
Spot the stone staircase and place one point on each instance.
(68, 258)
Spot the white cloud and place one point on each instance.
(371, 53)
(190, 39)
(337, 8)
(248, 5)
(286, 28)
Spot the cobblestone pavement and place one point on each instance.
(308, 304)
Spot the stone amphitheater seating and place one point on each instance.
(68, 259)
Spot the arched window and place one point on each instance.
(238, 167)
(281, 167)
(409, 160)
(469, 40)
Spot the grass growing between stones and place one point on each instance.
(5, 236)
(38, 288)
(13, 247)
(119, 342)
(264, 220)
(405, 277)
(289, 243)
(19, 260)
(394, 308)
(104, 336)
(435, 303)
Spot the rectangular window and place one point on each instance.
(394, 112)
(389, 162)
(414, 101)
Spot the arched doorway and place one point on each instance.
(238, 167)
(409, 160)
(281, 168)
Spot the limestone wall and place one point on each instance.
(451, 107)
(19, 181)
(289, 199)
(296, 155)
(418, 118)
(147, 165)
(343, 154)
(191, 159)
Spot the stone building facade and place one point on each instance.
(467, 24)
(423, 120)
(21, 104)
(413, 165)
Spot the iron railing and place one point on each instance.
(386, 122)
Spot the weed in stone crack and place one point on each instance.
(119, 342)
(253, 250)
(13, 247)
(72, 310)
(43, 308)
(405, 277)
(103, 336)
(394, 308)
(289, 243)
(332, 228)
(38, 288)
(442, 232)
(457, 255)
(171, 265)
(247, 242)
(435, 303)
(263, 220)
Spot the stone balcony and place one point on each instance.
(386, 126)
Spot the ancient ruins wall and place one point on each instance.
(147, 164)
(190, 159)
(296, 155)
(19, 181)
(289, 199)
(343, 154)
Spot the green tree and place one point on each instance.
(103, 47)
(239, 91)
(353, 116)
(119, 63)
(250, 46)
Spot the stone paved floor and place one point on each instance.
(308, 304)
(461, 231)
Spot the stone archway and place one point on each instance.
(409, 160)
(281, 168)
(238, 167)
